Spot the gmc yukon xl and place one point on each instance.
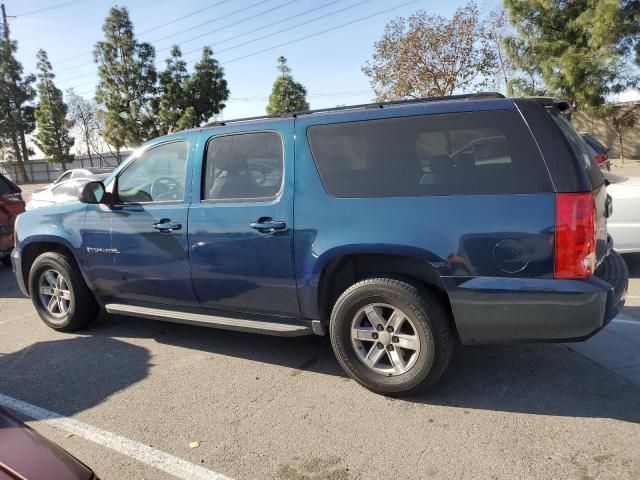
(398, 229)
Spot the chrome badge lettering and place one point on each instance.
(113, 251)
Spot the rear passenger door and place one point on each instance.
(241, 220)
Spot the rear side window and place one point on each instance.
(245, 166)
(580, 150)
(445, 154)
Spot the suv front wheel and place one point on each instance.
(391, 336)
(59, 293)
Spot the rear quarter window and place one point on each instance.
(472, 153)
(580, 150)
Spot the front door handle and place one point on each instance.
(268, 225)
(166, 225)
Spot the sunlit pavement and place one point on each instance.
(617, 347)
(265, 407)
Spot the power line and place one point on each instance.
(52, 7)
(183, 17)
(195, 12)
(282, 20)
(334, 12)
(306, 22)
(278, 7)
(210, 21)
(305, 37)
(197, 26)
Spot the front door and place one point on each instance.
(137, 248)
(241, 221)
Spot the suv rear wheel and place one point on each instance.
(391, 336)
(60, 294)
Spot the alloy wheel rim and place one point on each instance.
(55, 293)
(385, 339)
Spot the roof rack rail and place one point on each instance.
(470, 96)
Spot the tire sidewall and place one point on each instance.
(341, 320)
(39, 267)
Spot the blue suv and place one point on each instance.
(400, 229)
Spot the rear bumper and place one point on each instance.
(16, 263)
(490, 310)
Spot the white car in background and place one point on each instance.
(65, 188)
(624, 223)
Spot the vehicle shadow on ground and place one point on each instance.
(69, 375)
(9, 285)
(633, 263)
(541, 379)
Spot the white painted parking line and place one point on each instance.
(143, 453)
(18, 318)
(628, 322)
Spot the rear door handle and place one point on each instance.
(268, 225)
(166, 225)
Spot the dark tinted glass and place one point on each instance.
(243, 166)
(5, 187)
(595, 145)
(580, 150)
(445, 154)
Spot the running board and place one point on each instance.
(266, 327)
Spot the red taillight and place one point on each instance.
(575, 247)
(600, 159)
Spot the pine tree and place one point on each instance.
(51, 116)
(287, 95)
(16, 112)
(206, 89)
(579, 48)
(127, 82)
(173, 101)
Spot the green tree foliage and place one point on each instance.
(579, 48)
(187, 101)
(287, 95)
(127, 82)
(174, 100)
(52, 136)
(207, 90)
(16, 112)
(429, 55)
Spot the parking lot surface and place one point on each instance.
(266, 407)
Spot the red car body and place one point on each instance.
(11, 205)
(27, 455)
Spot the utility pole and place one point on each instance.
(5, 24)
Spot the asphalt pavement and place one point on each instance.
(135, 399)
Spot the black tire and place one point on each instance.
(82, 306)
(421, 307)
(6, 261)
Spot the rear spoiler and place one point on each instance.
(552, 103)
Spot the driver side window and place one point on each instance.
(157, 175)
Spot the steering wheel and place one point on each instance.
(164, 185)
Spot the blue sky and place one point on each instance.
(328, 64)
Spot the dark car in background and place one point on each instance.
(599, 152)
(27, 455)
(11, 205)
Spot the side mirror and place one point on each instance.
(92, 192)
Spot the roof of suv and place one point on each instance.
(489, 100)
